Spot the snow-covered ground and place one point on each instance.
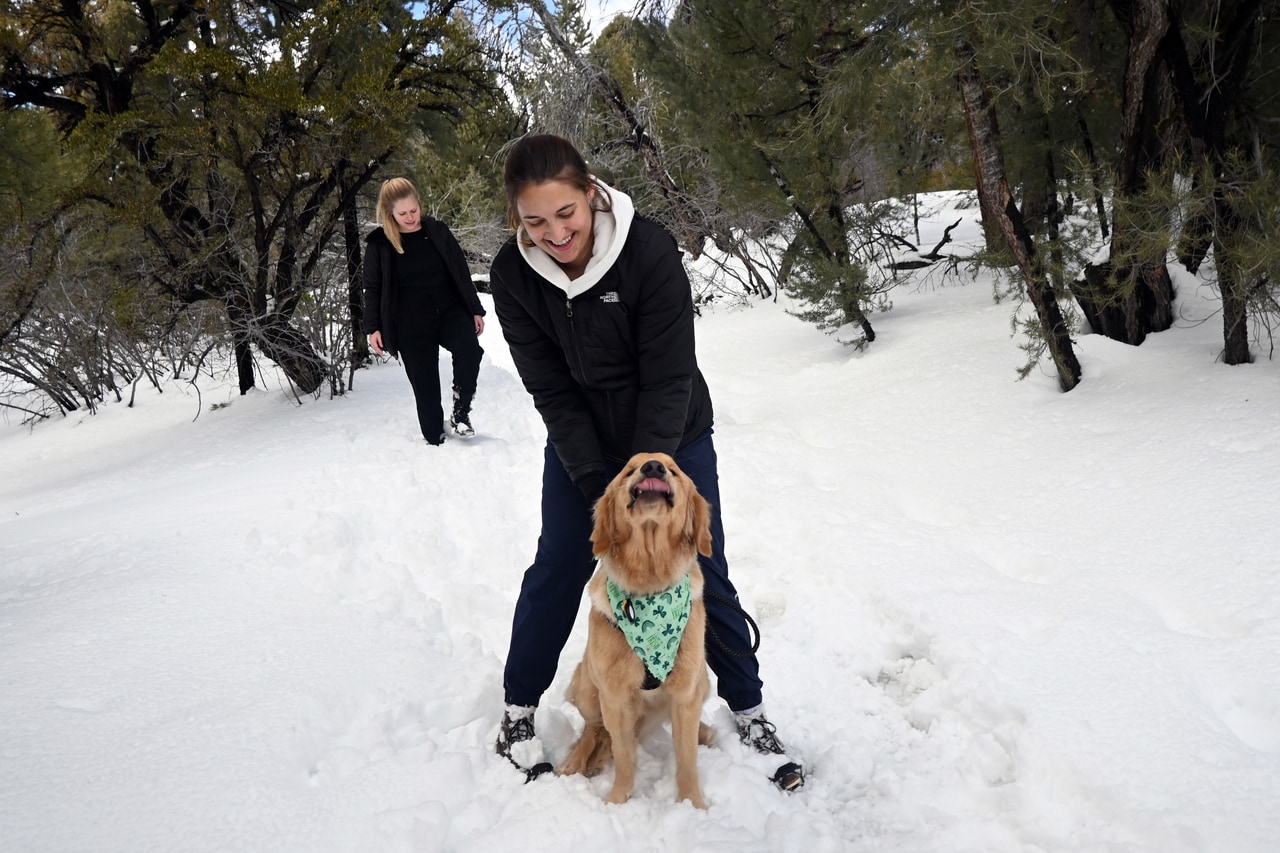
(995, 617)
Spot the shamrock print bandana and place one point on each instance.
(653, 624)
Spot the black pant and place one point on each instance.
(455, 330)
(552, 588)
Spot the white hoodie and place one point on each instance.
(609, 233)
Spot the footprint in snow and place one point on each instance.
(1251, 713)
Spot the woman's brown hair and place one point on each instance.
(392, 191)
(541, 157)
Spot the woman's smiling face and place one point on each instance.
(557, 217)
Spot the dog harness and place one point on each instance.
(653, 625)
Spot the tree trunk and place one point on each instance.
(851, 303)
(853, 313)
(1235, 326)
(289, 348)
(1134, 296)
(997, 203)
(355, 286)
(1209, 87)
(1197, 234)
(1095, 170)
(1126, 313)
(1146, 22)
(1039, 185)
(278, 340)
(1232, 288)
(243, 351)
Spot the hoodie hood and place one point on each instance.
(609, 231)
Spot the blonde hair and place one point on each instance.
(392, 191)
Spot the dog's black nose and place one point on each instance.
(653, 468)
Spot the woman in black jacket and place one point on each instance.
(418, 297)
(596, 307)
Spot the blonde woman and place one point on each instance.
(418, 297)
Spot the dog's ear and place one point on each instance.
(612, 527)
(602, 534)
(698, 524)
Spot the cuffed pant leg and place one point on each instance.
(551, 592)
(738, 670)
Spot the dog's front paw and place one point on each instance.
(574, 765)
(589, 755)
(617, 797)
(697, 802)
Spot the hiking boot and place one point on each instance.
(518, 743)
(755, 731)
(460, 420)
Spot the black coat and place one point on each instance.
(380, 297)
(613, 370)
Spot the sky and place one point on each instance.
(599, 13)
(994, 617)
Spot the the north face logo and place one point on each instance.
(610, 296)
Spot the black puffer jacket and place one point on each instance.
(380, 297)
(613, 370)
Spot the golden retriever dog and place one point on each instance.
(650, 526)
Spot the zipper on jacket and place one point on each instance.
(575, 357)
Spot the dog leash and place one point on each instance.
(745, 615)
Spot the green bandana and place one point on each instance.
(653, 624)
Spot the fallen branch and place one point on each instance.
(934, 255)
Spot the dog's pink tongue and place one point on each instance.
(653, 484)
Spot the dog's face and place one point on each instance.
(651, 503)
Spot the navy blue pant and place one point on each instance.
(455, 330)
(552, 588)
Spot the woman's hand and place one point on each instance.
(375, 341)
(479, 324)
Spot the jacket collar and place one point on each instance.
(379, 235)
(609, 233)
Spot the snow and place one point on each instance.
(995, 617)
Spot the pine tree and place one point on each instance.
(747, 85)
(236, 137)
